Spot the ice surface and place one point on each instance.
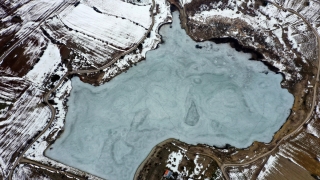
(211, 95)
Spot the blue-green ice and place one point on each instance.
(212, 95)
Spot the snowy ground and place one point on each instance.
(134, 18)
(47, 66)
(92, 54)
(35, 115)
(162, 15)
(282, 31)
(136, 14)
(120, 33)
(87, 51)
(211, 95)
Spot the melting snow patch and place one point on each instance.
(218, 175)
(284, 154)
(134, 13)
(291, 38)
(23, 172)
(318, 110)
(183, 2)
(46, 66)
(268, 166)
(198, 167)
(312, 130)
(118, 32)
(174, 160)
(278, 33)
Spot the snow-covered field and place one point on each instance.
(270, 22)
(210, 95)
(162, 15)
(96, 31)
(92, 54)
(88, 51)
(136, 14)
(121, 33)
(46, 67)
(23, 172)
(27, 117)
(11, 89)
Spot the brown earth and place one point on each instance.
(301, 107)
(155, 165)
(41, 173)
(302, 100)
(17, 62)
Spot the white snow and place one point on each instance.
(174, 160)
(37, 9)
(312, 130)
(291, 38)
(121, 33)
(25, 29)
(81, 19)
(242, 173)
(163, 16)
(24, 172)
(204, 15)
(266, 19)
(89, 51)
(2, 12)
(268, 166)
(25, 119)
(259, 21)
(137, 14)
(183, 2)
(36, 152)
(198, 167)
(218, 175)
(278, 33)
(285, 152)
(58, 124)
(46, 66)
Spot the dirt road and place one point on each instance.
(47, 95)
(61, 6)
(27, 161)
(223, 166)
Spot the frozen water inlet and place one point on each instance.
(211, 95)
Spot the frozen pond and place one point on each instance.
(212, 95)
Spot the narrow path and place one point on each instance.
(47, 95)
(224, 166)
(62, 5)
(28, 161)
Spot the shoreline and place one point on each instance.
(233, 43)
(153, 150)
(277, 137)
